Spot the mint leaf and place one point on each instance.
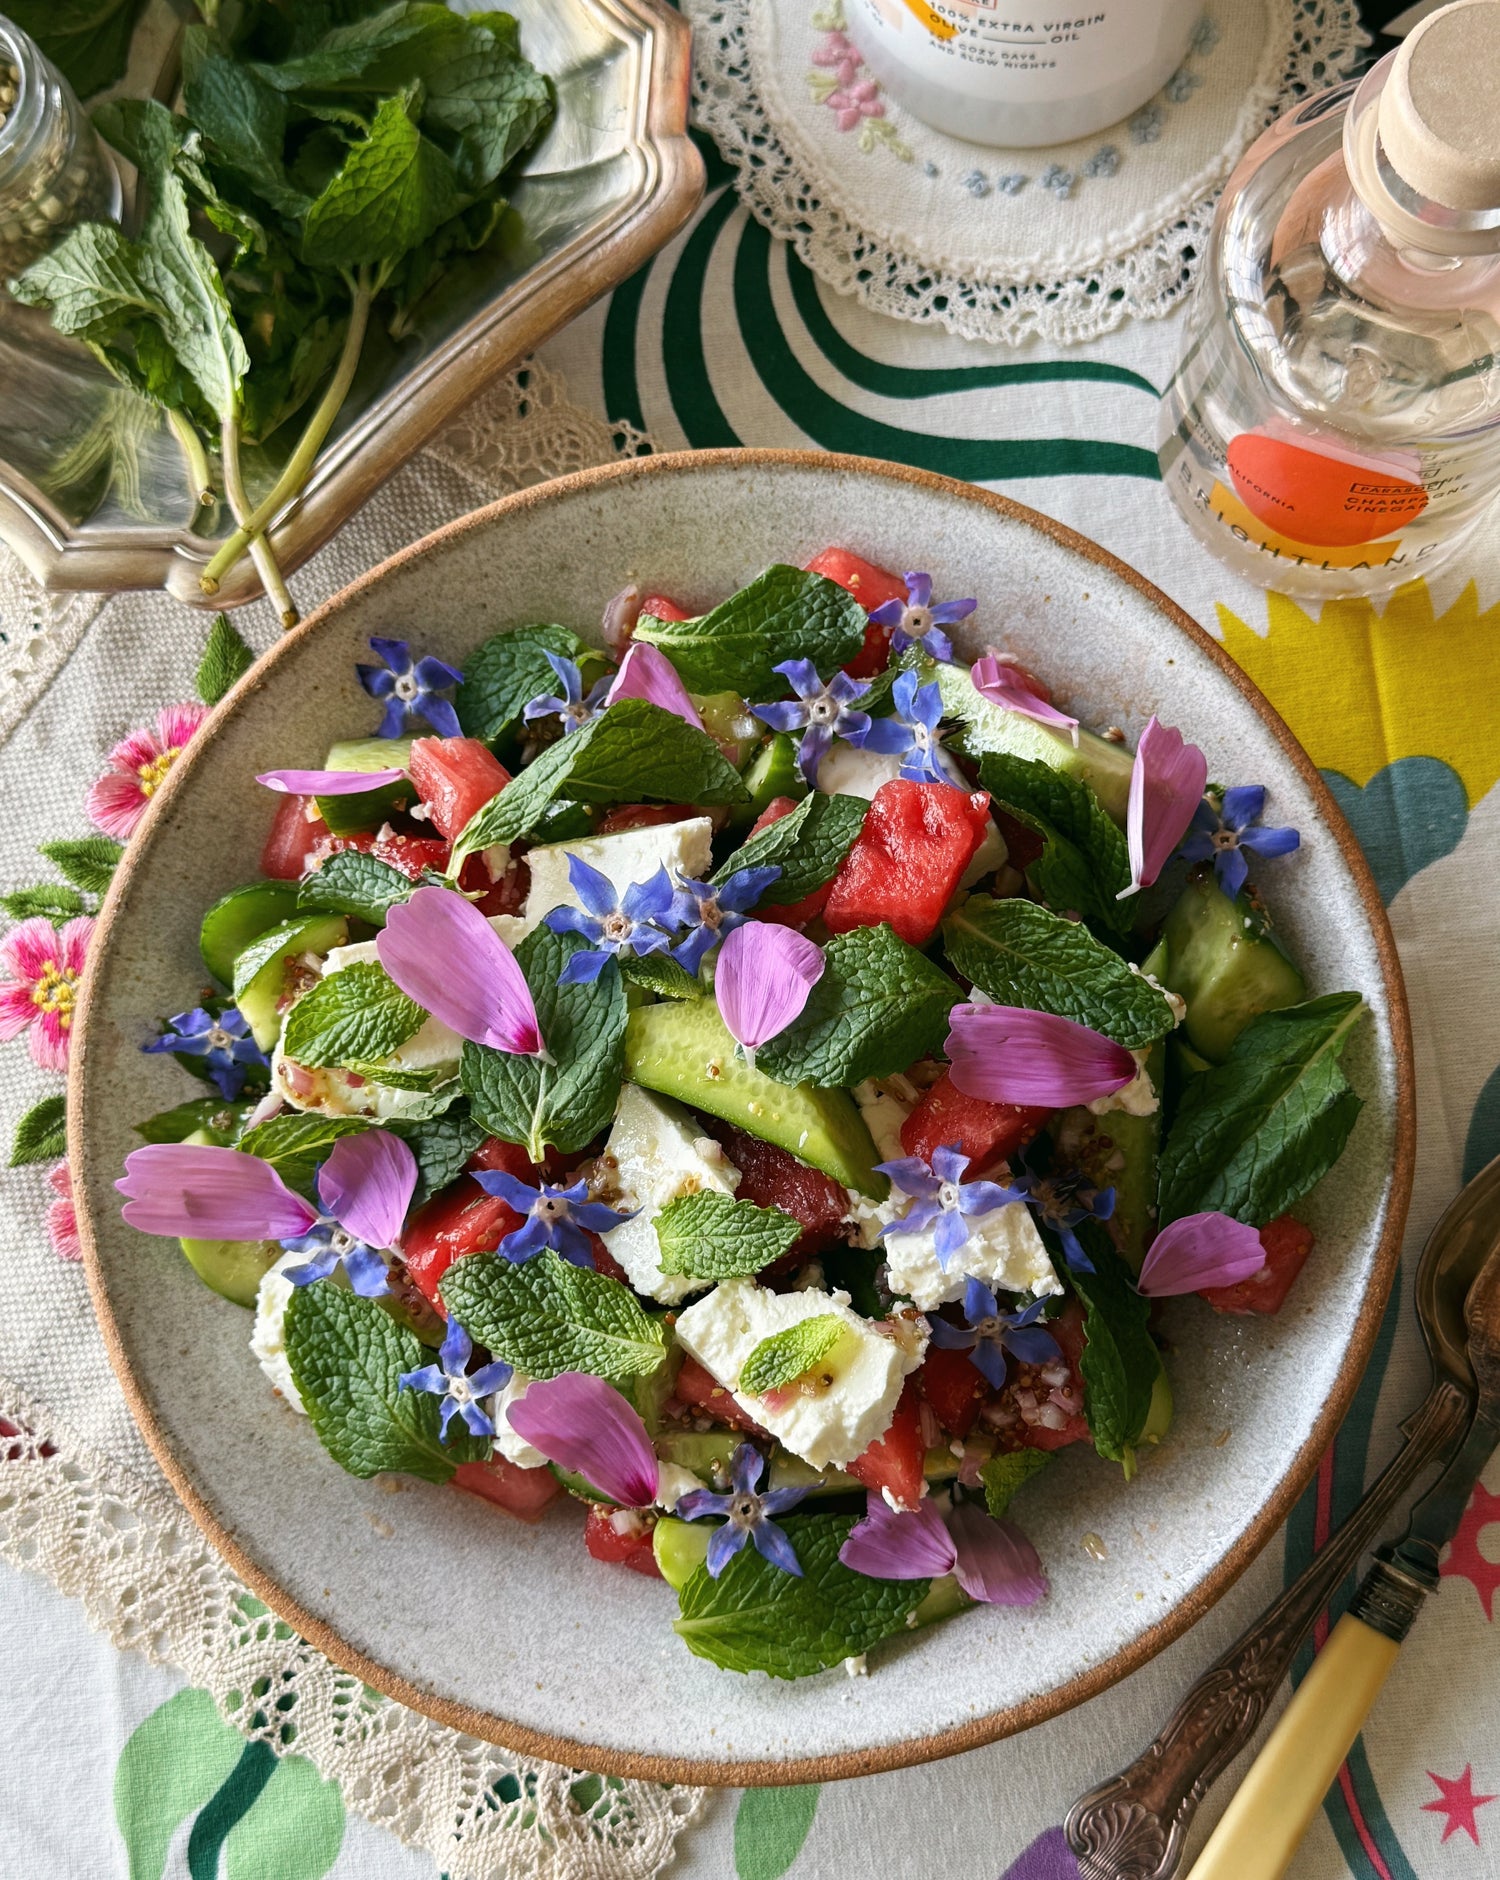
(352, 1017)
(297, 1142)
(49, 900)
(654, 972)
(41, 1133)
(548, 1316)
(1120, 1360)
(1003, 1475)
(181, 1121)
(504, 675)
(565, 1101)
(785, 613)
(89, 863)
(1085, 863)
(393, 1077)
(633, 753)
(1252, 1135)
(879, 1006)
(1021, 955)
(360, 885)
(754, 1617)
(442, 1145)
(712, 1236)
(494, 104)
(245, 120)
(808, 845)
(226, 657)
(789, 1353)
(375, 53)
(346, 1355)
(391, 192)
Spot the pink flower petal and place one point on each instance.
(762, 979)
(908, 1546)
(1002, 683)
(1200, 1250)
(995, 1561)
(116, 804)
(367, 1185)
(583, 1424)
(49, 1041)
(649, 674)
(17, 1011)
(1008, 1055)
(175, 724)
(206, 1193)
(442, 952)
(28, 948)
(134, 752)
(1167, 782)
(74, 941)
(327, 782)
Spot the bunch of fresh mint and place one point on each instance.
(329, 163)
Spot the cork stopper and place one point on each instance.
(1438, 111)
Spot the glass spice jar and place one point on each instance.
(53, 169)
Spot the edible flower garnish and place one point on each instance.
(1063, 1202)
(912, 729)
(1007, 1054)
(1166, 786)
(449, 1379)
(917, 622)
(554, 1215)
(646, 672)
(1200, 1250)
(941, 1195)
(749, 1516)
(328, 782)
(224, 1043)
(442, 952)
(1223, 827)
(1004, 683)
(584, 1425)
(410, 690)
(762, 980)
(713, 912)
(992, 1560)
(820, 712)
(570, 706)
(991, 1333)
(199, 1191)
(615, 923)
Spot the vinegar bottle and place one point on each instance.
(1334, 425)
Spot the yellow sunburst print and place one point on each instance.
(1362, 689)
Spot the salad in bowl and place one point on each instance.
(758, 1082)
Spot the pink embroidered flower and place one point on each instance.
(836, 54)
(62, 1216)
(39, 972)
(853, 103)
(137, 765)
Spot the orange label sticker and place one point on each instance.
(1316, 499)
(1224, 504)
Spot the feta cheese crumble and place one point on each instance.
(684, 849)
(655, 1153)
(508, 1442)
(1004, 1250)
(268, 1334)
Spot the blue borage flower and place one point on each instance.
(917, 622)
(1223, 827)
(942, 1196)
(911, 730)
(748, 1516)
(991, 1333)
(711, 912)
(327, 1244)
(224, 1043)
(639, 921)
(820, 712)
(570, 705)
(1062, 1202)
(449, 1379)
(409, 689)
(555, 1216)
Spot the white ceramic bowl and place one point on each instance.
(512, 1632)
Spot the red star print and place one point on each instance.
(1458, 1802)
(1465, 1561)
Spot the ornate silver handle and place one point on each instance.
(1132, 1826)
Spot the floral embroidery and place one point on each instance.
(62, 1216)
(854, 100)
(138, 765)
(39, 971)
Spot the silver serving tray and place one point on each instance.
(93, 494)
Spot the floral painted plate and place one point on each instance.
(512, 1632)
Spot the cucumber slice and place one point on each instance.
(1223, 959)
(681, 1547)
(789, 1471)
(944, 1598)
(705, 1452)
(578, 1485)
(727, 718)
(1104, 766)
(260, 971)
(243, 915)
(772, 772)
(231, 1268)
(349, 815)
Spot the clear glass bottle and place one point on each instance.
(53, 169)
(1334, 425)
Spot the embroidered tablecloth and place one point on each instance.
(114, 1766)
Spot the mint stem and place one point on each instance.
(299, 465)
(260, 548)
(195, 457)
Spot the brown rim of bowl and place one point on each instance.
(980, 1730)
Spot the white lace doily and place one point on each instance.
(81, 1500)
(1063, 242)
